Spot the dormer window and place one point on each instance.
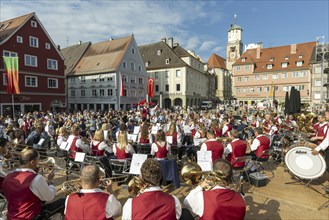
(284, 65)
(271, 59)
(286, 58)
(167, 61)
(33, 24)
(269, 66)
(299, 63)
(300, 56)
(159, 52)
(243, 59)
(146, 63)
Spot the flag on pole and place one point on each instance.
(11, 73)
(122, 89)
(271, 89)
(150, 87)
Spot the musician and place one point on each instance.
(62, 136)
(152, 203)
(76, 143)
(219, 202)
(144, 135)
(91, 202)
(35, 136)
(216, 127)
(324, 145)
(160, 148)
(145, 111)
(226, 128)
(122, 128)
(98, 145)
(201, 131)
(123, 150)
(273, 128)
(266, 123)
(176, 137)
(321, 129)
(213, 145)
(25, 189)
(259, 144)
(237, 148)
(291, 123)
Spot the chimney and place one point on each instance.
(260, 44)
(58, 47)
(164, 40)
(170, 42)
(258, 53)
(176, 44)
(80, 42)
(293, 48)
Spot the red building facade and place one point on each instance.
(41, 66)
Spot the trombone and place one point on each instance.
(74, 186)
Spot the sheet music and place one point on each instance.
(106, 134)
(199, 141)
(205, 160)
(136, 129)
(79, 157)
(132, 137)
(41, 141)
(64, 146)
(154, 130)
(136, 163)
(169, 139)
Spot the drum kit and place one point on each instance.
(295, 151)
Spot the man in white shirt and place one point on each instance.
(214, 200)
(25, 190)
(152, 203)
(324, 145)
(91, 202)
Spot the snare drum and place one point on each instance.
(302, 163)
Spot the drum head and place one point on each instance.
(301, 162)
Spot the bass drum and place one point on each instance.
(302, 163)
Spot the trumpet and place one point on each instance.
(74, 186)
(192, 174)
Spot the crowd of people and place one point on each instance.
(116, 135)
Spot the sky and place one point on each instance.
(196, 25)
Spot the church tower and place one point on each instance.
(234, 44)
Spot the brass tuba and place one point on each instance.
(136, 186)
(192, 174)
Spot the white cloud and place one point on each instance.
(207, 45)
(68, 22)
(192, 43)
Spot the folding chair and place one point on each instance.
(174, 152)
(261, 160)
(144, 149)
(120, 167)
(244, 169)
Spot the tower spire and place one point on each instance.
(235, 19)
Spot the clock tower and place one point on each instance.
(234, 44)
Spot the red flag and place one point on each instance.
(122, 89)
(150, 87)
(11, 72)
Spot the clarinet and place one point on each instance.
(241, 186)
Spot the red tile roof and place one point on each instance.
(216, 61)
(278, 55)
(8, 27)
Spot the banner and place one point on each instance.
(271, 89)
(11, 72)
(122, 89)
(150, 87)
